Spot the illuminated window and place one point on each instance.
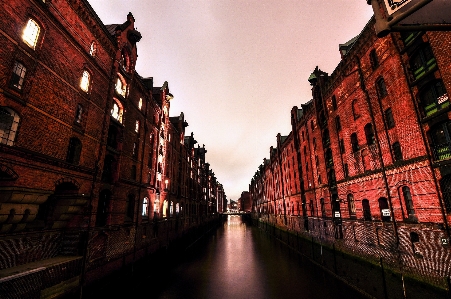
(18, 76)
(93, 49)
(116, 111)
(137, 126)
(121, 86)
(31, 33)
(85, 81)
(145, 212)
(140, 103)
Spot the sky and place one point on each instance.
(237, 67)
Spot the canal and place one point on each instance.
(236, 261)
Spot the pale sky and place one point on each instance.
(237, 67)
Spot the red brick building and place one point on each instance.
(366, 166)
(94, 174)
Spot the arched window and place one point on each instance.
(385, 211)
(165, 208)
(355, 109)
(121, 86)
(354, 142)
(407, 196)
(85, 81)
(381, 88)
(73, 151)
(18, 75)
(117, 111)
(9, 123)
(145, 206)
(397, 153)
(369, 133)
(337, 123)
(389, 120)
(433, 97)
(31, 33)
(373, 59)
(351, 205)
(441, 140)
(366, 210)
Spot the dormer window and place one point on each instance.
(121, 86)
(31, 33)
(117, 111)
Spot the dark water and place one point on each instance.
(237, 261)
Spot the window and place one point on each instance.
(130, 206)
(102, 208)
(116, 111)
(140, 103)
(323, 207)
(345, 170)
(381, 88)
(78, 114)
(389, 120)
(314, 143)
(334, 103)
(85, 81)
(18, 75)
(369, 133)
(354, 142)
(73, 151)
(414, 238)
(31, 33)
(441, 141)
(145, 206)
(133, 172)
(135, 150)
(445, 186)
(312, 208)
(433, 97)
(385, 211)
(422, 61)
(9, 123)
(137, 126)
(408, 201)
(373, 59)
(341, 144)
(351, 205)
(93, 49)
(121, 86)
(366, 210)
(337, 123)
(397, 153)
(312, 125)
(156, 206)
(171, 209)
(355, 109)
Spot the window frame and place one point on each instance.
(31, 39)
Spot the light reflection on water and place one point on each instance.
(241, 262)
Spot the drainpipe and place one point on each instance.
(384, 176)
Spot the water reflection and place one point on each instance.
(241, 262)
(237, 262)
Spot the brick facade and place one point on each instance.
(370, 152)
(93, 172)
